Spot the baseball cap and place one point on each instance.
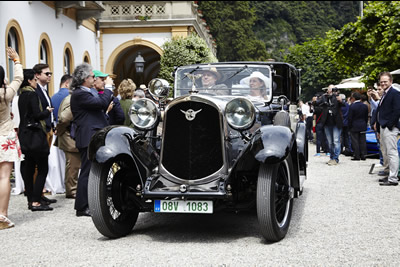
(98, 73)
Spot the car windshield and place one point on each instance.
(251, 81)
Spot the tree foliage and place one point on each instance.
(318, 69)
(282, 24)
(182, 51)
(231, 23)
(372, 43)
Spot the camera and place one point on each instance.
(335, 90)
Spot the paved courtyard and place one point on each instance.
(343, 218)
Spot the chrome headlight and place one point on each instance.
(240, 113)
(144, 114)
(159, 88)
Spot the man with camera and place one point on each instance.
(332, 121)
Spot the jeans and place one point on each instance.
(333, 135)
(321, 139)
(309, 126)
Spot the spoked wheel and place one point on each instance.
(275, 199)
(110, 191)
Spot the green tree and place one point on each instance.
(318, 69)
(282, 24)
(371, 44)
(182, 51)
(231, 23)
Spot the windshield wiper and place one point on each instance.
(191, 72)
(239, 71)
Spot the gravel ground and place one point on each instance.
(343, 218)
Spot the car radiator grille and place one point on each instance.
(192, 149)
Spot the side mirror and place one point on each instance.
(159, 89)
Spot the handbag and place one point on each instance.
(31, 123)
(33, 139)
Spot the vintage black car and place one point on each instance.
(211, 148)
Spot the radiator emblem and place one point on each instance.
(190, 114)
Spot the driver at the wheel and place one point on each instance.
(209, 78)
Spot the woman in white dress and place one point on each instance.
(10, 150)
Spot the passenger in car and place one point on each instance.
(258, 85)
(209, 79)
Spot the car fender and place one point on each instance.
(272, 144)
(302, 145)
(109, 142)
(113, 141)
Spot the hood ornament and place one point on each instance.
(190, 114)
(193, 78)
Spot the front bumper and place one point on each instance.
(157, 187)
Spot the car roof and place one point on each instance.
(270, 63)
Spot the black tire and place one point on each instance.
(275, 199)
(282, 118)
(109, 189)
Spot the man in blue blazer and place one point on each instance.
(388, 114)
(357, 123)
(89, 117)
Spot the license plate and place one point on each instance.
(183, 206)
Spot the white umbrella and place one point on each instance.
(353, 79)
(350, 85)
(395, 72)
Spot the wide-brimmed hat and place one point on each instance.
(256, 74)
(98, 73)
(212, 70)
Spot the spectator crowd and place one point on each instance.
(86, 102)
(341, 124)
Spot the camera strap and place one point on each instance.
(319, 118)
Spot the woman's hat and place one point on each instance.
(256, 74)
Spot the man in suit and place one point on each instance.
(388, 114)
(89, 117)
(43, 76)
(357, 123)
(114, 112)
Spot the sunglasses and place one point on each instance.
(48, 73)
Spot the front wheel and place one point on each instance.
(275, 199)
(110, 189)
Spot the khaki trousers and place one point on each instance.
(72, 166)
(389, 139)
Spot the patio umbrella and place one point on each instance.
(350, 83)
(395, 72)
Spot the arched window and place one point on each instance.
(43, 53)
(68, 59)
(86, 57)
(12, 41)
(45, 56)
(14, 38)
(67, 62)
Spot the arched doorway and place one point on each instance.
(124, 65)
